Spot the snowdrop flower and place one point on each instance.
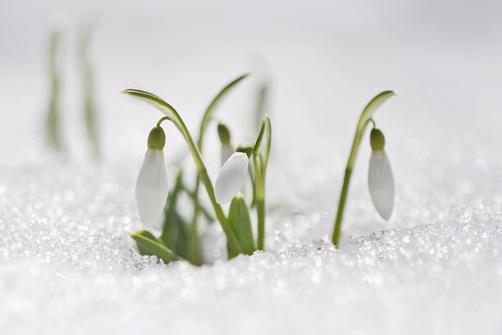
(232, 177)
(380, 177)
(151, 186)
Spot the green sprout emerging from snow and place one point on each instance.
(380, 176)
(88, 94)
(151, 188)
(53, 118)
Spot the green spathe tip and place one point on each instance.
(377, 139)
(156, 138)
(246, 148)
(224, 134)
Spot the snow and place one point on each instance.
(67, 264)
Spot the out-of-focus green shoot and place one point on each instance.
(89, 108)
(262, 102)
(260, 161)
(53, 131)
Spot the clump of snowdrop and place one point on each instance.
(380, 178)
(151, 192)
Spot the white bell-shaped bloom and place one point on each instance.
(232, 177)
(381, 184)
(151, 188)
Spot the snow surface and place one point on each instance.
(67, 265)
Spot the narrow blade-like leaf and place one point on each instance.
(149, 245)
(216, 100)
(241, 224)
(372, 106)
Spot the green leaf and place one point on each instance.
(177, 238)
(170, 208)
(210, 219)
(174, 229)
(266, 128)
(262, 96)
(156, 102)
(208, 114)
(372, 106)
(240, 223)
(149, 245)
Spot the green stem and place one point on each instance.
(260, 199)
(53, 119)
(364, 119)
(203, 210)
(341, 207)
(260, 166)
(89, 102)
(220, 215)
(253, 185)
(194, 231)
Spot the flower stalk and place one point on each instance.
(260, 165)
(365, 118)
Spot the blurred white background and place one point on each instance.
(327, 59)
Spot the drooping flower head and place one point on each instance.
(151, 185)
(380, 177)
(232, 177)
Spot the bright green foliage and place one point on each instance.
(240, 222)
(149, 245)
(174, 229)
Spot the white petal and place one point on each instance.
(232, 177)
(381, 184)
(151, 189)
(226, 152)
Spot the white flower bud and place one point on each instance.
(381, 184)
(232, 177)
(151, 188)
